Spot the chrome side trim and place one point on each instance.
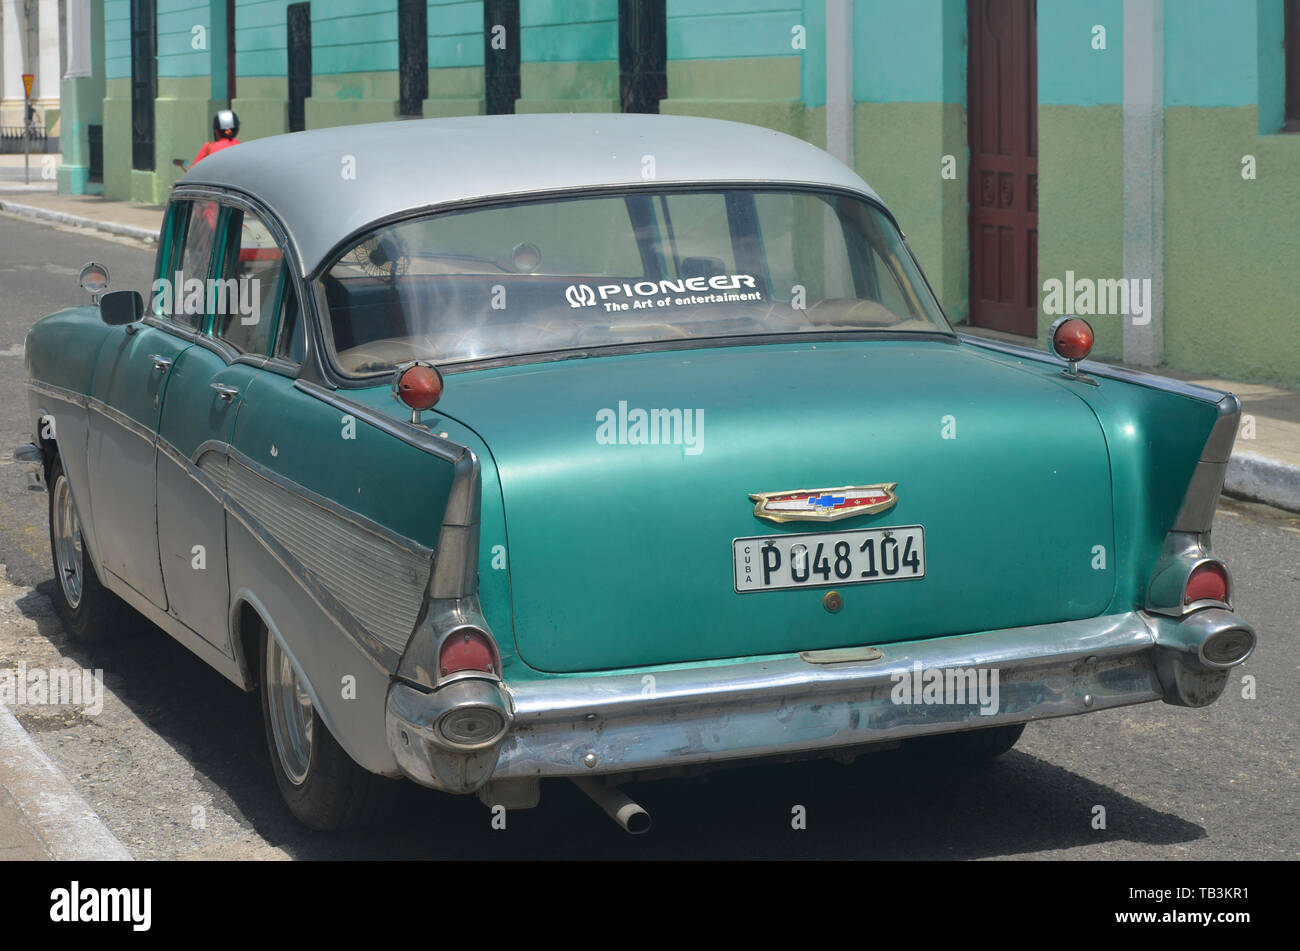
(147, 433)
(422, 439)
(455, 567)
(360, 522)
(59, 393)
(209, 469)
(377, 582)
(1202, 496)
(1104, 370)
(1181, 554)
(379, 653)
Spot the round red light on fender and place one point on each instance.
(418, 385)
(466, 649)
(1072, 338)
(1208, 581)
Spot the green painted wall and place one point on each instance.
(910, 85)
(1070, 71)
(353, 36)
(456, 34)
(909, 52)
(760, 90)
(1080, 157)
(711, 29)
(350, 98)
(899, 151)
(186, 39)
(262, 105)
(261, 39)
(1081, 205)
(117, 39)
(117, 139)
(1231, 246)
(569, 56)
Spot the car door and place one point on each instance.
(208, 384)
(131, 375)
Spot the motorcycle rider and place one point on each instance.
(225, 126)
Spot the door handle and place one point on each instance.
(160, 363)
(225, 392)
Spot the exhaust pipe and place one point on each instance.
(616, 804)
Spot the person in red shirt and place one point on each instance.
(225, 126)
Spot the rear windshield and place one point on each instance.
(535, 277)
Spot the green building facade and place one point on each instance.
(1159, 128)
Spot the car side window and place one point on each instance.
(169, 257)
(250, 280)
(291, 346)
(188, 299)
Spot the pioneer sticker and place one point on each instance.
(684, 292)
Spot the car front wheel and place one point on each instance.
(323, 787)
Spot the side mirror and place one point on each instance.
(117, 308)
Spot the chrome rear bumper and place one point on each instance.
(605, 723)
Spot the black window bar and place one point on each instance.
(413, 56)
(501, 55)
(144, 82)
(642, 54)
(299, 26)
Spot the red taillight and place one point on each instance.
(466, 649)
(1072, 338)
(1208, 580)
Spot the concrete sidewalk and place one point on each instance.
(1265, 465)
(41, 173)
(122, 218)
(41, 815)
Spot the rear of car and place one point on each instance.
(757, 498)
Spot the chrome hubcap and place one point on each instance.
(68, 554)
(291, 713)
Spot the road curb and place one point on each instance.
(77, 221)
(1261, 479)
(65, 823)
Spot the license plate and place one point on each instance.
(825, 559)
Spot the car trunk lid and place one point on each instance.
(620, 549)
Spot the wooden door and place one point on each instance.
(1002, 113)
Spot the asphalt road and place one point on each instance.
(176, 763)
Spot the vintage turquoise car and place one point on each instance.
(503, 448)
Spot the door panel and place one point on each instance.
(121, 452)
(191, 520)
(1003, 127)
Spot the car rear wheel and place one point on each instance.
(89, 611)
(323, 787)
(972, 746)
